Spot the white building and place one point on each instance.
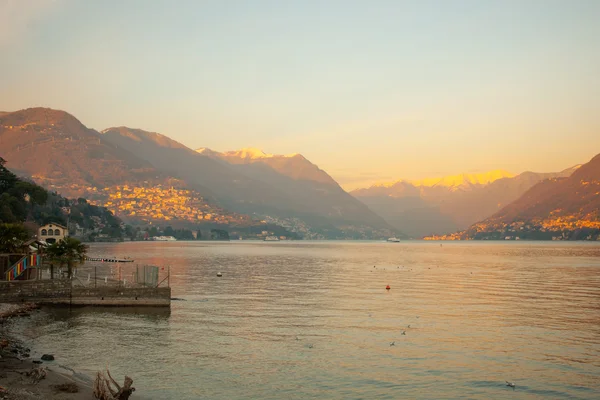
(52, 233)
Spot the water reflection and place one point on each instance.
(74, 313)
(479, 314)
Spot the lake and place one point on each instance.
(296, 320)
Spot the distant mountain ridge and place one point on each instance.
(576, 194)
(59, 152)
(559, 207)
(445, 205)
(247, 153)
(253, 181)
(294, 166)
(464, 180)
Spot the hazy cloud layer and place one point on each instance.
(17, 17)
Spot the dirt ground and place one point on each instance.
(16, 385)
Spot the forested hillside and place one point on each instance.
(24, 201)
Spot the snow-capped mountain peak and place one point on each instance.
(453, 181)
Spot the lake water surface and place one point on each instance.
(295, 320)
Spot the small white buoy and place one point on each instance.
(219, 274)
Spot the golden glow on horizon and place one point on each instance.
(455, 180)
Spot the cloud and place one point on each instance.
(18, 16)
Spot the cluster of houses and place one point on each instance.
(163, 203)
(27, 261)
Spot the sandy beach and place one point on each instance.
(17, 368)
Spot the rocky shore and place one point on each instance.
(23, 377)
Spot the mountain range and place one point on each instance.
(448, 204)
(561, 204)
(282, 187)
(59, 152)
(115, 165)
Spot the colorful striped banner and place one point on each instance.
(32, 260)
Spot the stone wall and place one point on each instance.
(111, 296)
(60, 292)
(28, 291)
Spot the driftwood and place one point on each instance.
(103, 387)
(36, 374)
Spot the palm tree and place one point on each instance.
(68, 251)
(53, 255)
(73, 253)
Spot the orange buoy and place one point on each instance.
(387, 287)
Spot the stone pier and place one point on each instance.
(63, 293)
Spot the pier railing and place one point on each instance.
(126, 275)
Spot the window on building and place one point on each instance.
(57, 232)
(50, 232)
(44, 232)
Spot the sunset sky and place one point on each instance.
(368, 90)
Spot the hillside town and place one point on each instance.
(555, 227)
(158, 203)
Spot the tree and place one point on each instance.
(219, 234)
(130, 232)
(53, 255)
(153, 231)
(12, 237)
(7, 178)
(18, 197)
(69, 251)
(74, 253)
(6, 213)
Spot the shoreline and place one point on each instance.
(16, 363)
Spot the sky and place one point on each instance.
(369, 91)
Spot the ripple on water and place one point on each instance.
(480, 314)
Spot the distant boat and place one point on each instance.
(164, 238)
(393, 240)
(271, 239)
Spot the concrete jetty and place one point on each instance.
(62, 292)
